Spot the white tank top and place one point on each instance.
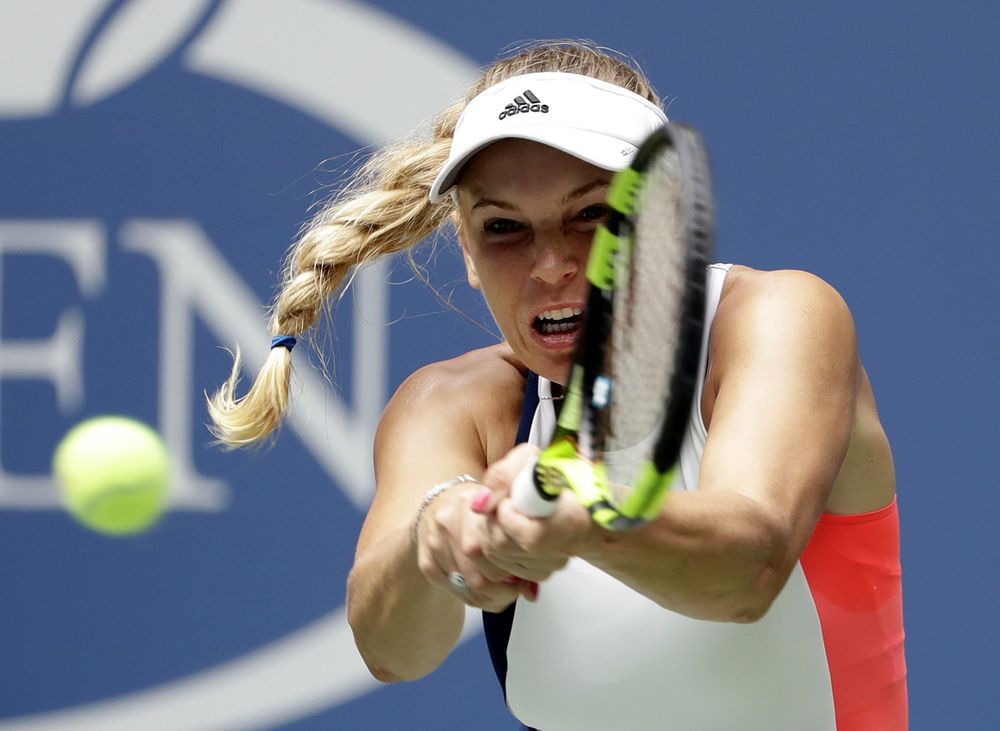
(592, 653)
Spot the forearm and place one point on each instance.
(404, 626)
(710, 555)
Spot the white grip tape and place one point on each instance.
(526, 497)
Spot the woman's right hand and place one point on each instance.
(449, 553)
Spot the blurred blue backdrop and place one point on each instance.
(158, 156)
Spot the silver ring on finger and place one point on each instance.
(459, 583)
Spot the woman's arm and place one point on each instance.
(781, 402)
(405, 616)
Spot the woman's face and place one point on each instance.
(527, 214)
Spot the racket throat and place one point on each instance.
(638, 503)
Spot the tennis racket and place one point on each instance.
(631, 387)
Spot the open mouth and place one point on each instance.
(558, 321)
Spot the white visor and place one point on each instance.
(593, 120)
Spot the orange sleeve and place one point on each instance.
(853, 569)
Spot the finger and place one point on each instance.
(493, 571)
(538, 569)
(483, 584)
(500, 603)
(475, 591)
(479, 585)
(566, 531)
(529, 590)
(450, 555)
(498, 597)
(500, 475)
(508, 556)
(484, 501)
(474, 530)
(508, 570)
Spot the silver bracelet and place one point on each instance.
(432, 495)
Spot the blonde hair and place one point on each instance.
(383, 209)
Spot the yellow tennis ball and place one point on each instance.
(113, 472)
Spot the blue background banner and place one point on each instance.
(157, 157)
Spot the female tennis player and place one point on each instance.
(767, 592)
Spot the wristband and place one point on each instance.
(432, 495)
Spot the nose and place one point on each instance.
(557, 257)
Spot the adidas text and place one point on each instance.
(522, 104)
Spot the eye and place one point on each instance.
(501, 226)
(596, 212)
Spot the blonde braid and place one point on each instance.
(382, 210)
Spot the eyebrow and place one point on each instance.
(570, 197)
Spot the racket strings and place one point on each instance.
(647, 314)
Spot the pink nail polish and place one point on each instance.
(533, 589)
(482, 498)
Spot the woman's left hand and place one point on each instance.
(530, 548)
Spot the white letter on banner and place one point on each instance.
(59, 358)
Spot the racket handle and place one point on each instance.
(528, 499)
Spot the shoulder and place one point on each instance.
(773, 325)
(746, 287)
(482, 372)
(779, 304)
(476, 395)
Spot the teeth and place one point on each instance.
(557, 327)
(561, 314)
(558, 320)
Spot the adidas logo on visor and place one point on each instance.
(527, 102)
